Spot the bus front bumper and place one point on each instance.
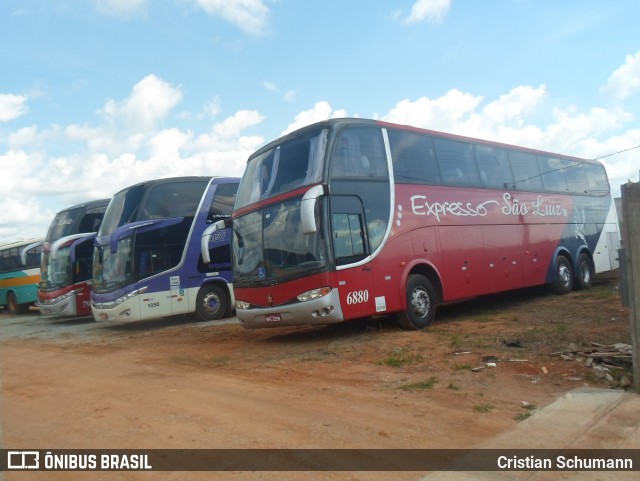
(324, 310)
(128, 311)
(64, 305)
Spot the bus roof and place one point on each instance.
(332, 123)
(20, 243)
(89, 204)
(164, 180)
(475, 140)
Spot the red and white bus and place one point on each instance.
(67, 256)
(350, 218)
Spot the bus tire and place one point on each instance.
(584, 276)
(421, 304)
(13, 306)
(563, 280)
(211, 303)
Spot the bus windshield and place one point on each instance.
(291, 164)
(63, 224)
(141, 253)
(69, 264)
(56, 272)
(164, 200)
(270, 245)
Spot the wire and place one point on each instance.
(620, 152)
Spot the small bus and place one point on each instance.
(352, 218)
(147, 262)
(67, 255)
(19, 274)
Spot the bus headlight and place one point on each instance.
(314, 294)
(242, 304)
(58, 299)
(131, 295)
(119, 300)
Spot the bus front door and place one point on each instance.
(350, 249)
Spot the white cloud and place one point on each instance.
(514, 105)
(166, 145)
(23, 137)
(623, 165)
(508, 119)
(320, 111)
(212, 108)
(290, 95)
(270, 86)
(12, 106)
(127, 145)
(249, 15)
(150, 101)
(428, 11)
(23, 215)
(14, 164)
(446, 112)
(130, 142)
(23, 218)
(122, 9)
(234, 125)
(625, 80)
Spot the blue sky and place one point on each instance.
(96, 95)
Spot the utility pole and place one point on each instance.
(631, 214)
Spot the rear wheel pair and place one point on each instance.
(564, 277)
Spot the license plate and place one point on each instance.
(273, 318)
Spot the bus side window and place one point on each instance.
(222, 202)
(359, 152)
(348, 237)
(597, 178)
(526, 173)
(457, 162)
(414, 158)
(495, 170)
(11, 259)
(83, 269)
(576, 178)
(552, 171)
(453, 176)
(91, 222)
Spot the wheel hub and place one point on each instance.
(420, 302)
(211, 303)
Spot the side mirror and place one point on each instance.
(308, 208)
(206, 235)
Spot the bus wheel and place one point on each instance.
(211, 303)
(421, 303)
(563, 282)
(14, 307)
(584, 276)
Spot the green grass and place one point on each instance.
(483, 408)
(184, 360)
(523, 416)
(462, 367)
(400, 357)
(190, 361)
(218, 361)
(416, 386)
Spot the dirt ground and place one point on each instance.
(365, 384)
